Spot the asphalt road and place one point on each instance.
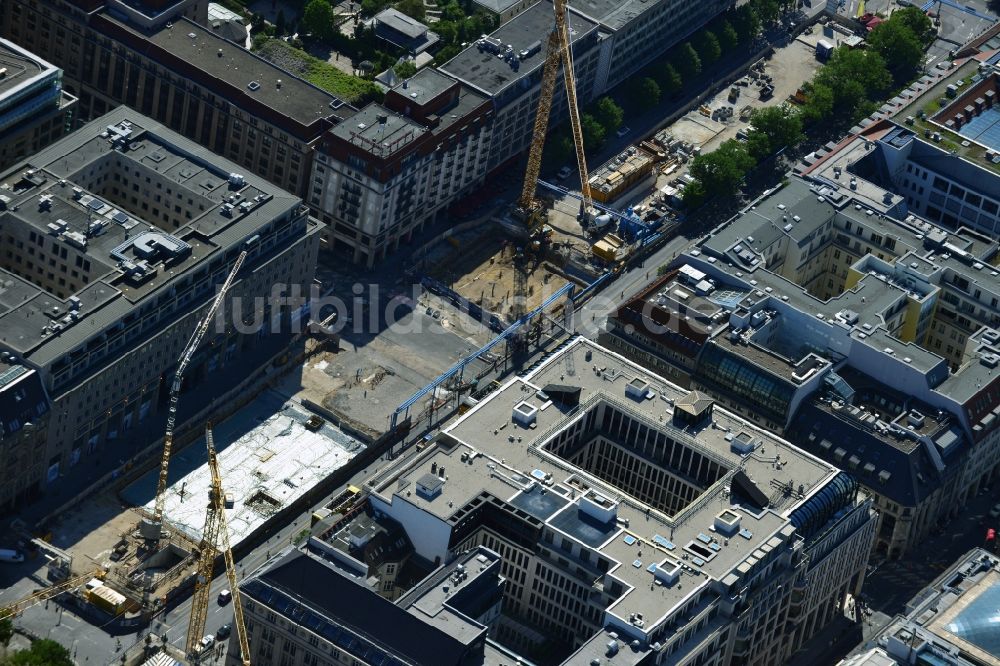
(594, 313)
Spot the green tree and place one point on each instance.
(281, 23)
(608, 114)
(558, 150)
(767, 10)
(412, 8)
(643, 93)
(693, 195)
(721, 170)
(773, 128)
(593, 132)
(687, 62)
(452, 11)
(819, 103)
(855, 77)
(746, 22)
(405, 69)
(317, 18)
(669, 79)
(6, 631)
(899, 47)
(44, 652)
(707, 46)
(917, 21)
(728, 39)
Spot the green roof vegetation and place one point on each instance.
(353, 89)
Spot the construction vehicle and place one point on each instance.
(529, 210)
(215, 525)
(47, 593)
(151, 529)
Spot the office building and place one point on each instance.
(24, 414)
(114, 240)
(951, 622)
(394, 167)
(506, 68)
(311, 607)
(631, 517)
(34, 109)
(160, 58)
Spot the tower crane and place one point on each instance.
(215, 524)
(152, 528)
(557, 51)
(529, 210)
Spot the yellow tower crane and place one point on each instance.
(557, 51)
(152, 528)
(215, 524)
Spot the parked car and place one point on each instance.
(224, 632)
(207, 642)
(225, 597)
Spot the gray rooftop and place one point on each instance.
(401, 23)
(22, 68)
(257, 78)
(482, 69)
(425, 85)
(612, 14)
(51, 203)
(379, 131)
(954, 615)
(509, 461)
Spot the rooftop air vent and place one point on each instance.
(524, 414)
(253, 85)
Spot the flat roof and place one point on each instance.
(425, 85)
(266, 464)
(612, 14)
(252, 76)
(193, 170)
(483, 70)
(379, 131)
(508, 459)
(401, 23)
(23, 68)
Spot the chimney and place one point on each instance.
(434, 468)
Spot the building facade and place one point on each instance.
(160, 59)
(948, 623)
(34, 109)
(306, 608)
(631, 520)
(394, 167)
(114, 241)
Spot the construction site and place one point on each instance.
(126, 553)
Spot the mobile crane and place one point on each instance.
(215, 525)
(151, 529)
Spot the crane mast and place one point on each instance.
(215, 524)
(557, 51)
(152, 529)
